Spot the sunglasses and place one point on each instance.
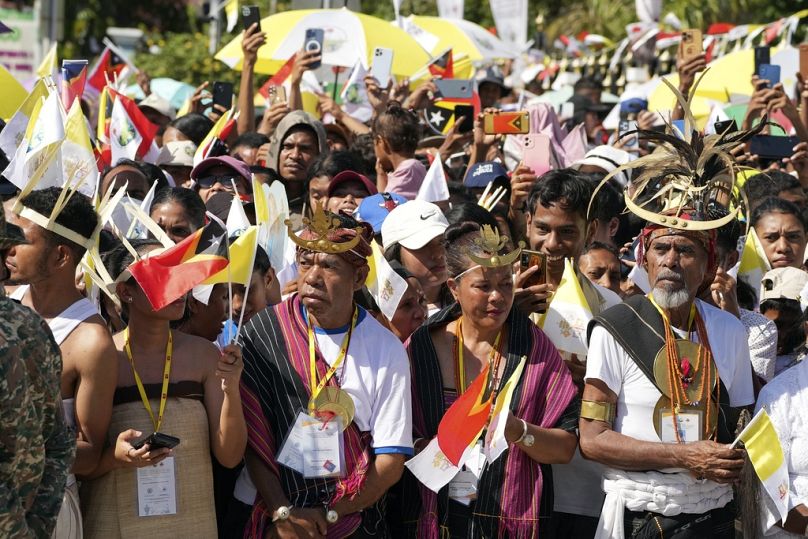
(209, 181)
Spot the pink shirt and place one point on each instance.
(406, 179)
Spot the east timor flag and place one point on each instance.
(168, 276)
(465, 420)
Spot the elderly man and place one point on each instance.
(36, 446)
(319, 353)
(661, 396)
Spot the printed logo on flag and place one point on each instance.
(126, 134)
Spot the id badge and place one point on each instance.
(688, 423)
(314, 448)
(157, 489)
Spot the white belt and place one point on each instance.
(668, 494)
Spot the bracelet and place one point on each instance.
(524, 432)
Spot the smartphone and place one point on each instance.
(761, 57)
(249, 16)
(382, 66)
(276, 94)
(692, 43)
(772, 148)
(771, 73)
(313, 42)
(529, 259)
(627, 126)
(466, 112)
(507, 123)
(454, 88)
(725, 126)
(804, 60)
(223, 94)
(536, 152)
(157, 440)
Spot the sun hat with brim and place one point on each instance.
(157, 103)
(351, 176)
(413, 225)
(180, 153)
(239, 167)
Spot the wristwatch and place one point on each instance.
(331, 516)
(281, 513)
(525, 439)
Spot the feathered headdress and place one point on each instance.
(685, 172)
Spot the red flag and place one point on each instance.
(465, 419)
(442, 66)
(278, 78)
(74, 77)
(108, 65)
(147, 150)
(168, 276)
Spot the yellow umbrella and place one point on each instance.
(728, 75)
(463, 37)
(349, 37)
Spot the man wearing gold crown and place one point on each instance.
(320, 357)
(667, 373)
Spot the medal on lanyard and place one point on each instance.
(166, 374)
(330, 401)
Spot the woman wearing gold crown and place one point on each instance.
(667, 373)
(483, 345)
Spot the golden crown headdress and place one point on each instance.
(491, 242)
(321, 224)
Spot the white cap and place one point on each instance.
(413, 225)
(609, 159)
(178, 153)
(161, 105)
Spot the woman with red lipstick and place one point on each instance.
(482, 331)
(175, 384)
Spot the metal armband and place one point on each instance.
(599, 411)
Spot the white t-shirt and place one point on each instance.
(637, 396)
(376, 374)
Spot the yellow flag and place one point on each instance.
(231, 10)
(754, 263)
(766, 454)
(12, 94)
(78, 160)
(14, 132)
(49, 64)
(203, 148)
(385, 285)
(568, 314)
(242, 259)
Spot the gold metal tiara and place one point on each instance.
(491, 242)
(322, 223)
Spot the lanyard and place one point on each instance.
(142, 390)
(346, 342)
(690, 318)
(460, 370)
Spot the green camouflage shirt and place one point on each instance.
(36, 446)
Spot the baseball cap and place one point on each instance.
(783, 283)
(351, 176)
(491, 74)
(239, 167)
(584, 104)
(413, 225)
(375, 209)
(607, 158)
(155, 102)
(483, 173)
(179, 153)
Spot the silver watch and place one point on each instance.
(281, 513)
(331, 516)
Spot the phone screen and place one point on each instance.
(464, 114)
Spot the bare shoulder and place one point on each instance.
(200, 349)
(90, 342)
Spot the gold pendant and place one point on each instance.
(688, 352)
(333, 401)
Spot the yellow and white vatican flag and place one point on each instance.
(754, 264)
(766, 454)
(568, 314)
(13, 133)
(49, 67)
(385, 285)
(495, 442)
(231, 11)
(78, 160)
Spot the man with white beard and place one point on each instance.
(665, 377)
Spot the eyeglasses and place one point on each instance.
(226, 181)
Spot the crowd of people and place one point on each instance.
(327, 418)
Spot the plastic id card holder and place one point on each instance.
(314, 448)
(157, 489)
(689, 423)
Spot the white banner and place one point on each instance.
(19, 49)
(450, 9)
(510, 17)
